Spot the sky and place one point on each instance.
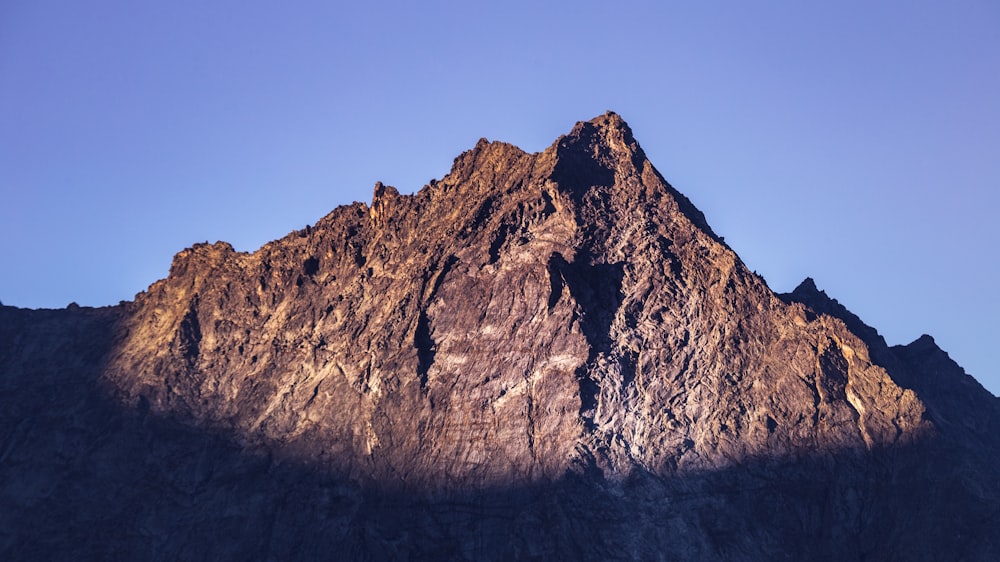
(854, 142)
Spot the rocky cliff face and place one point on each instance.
(543, 355)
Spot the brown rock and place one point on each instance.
(540, 355)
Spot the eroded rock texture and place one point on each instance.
(541, 355)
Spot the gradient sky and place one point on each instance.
(854, 142)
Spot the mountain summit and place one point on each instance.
(546, 355)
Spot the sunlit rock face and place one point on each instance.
(541, 355)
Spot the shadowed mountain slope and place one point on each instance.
(540, 355)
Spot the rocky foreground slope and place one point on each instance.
(543, 355)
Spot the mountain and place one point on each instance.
(545, 356)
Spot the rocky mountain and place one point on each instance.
(539, 356)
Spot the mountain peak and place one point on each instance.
(807, 286)
(611, 123)
(552, 337)
(605, 136)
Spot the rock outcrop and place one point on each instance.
(543, 355)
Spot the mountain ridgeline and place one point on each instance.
(545, 356)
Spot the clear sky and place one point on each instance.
(854, 142)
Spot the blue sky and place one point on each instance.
(854, 142)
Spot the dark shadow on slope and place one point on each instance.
(597, 288)
(425, 347)
(422, 339)
(583, 160)
(83, 479)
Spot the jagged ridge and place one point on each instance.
(559, 325)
